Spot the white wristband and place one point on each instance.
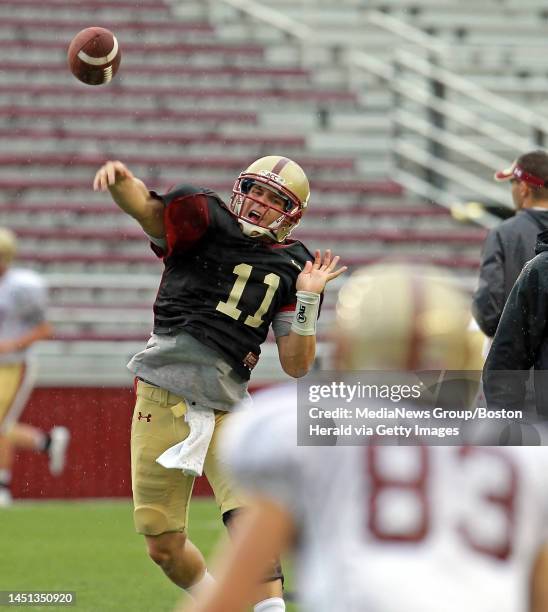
(306, 313)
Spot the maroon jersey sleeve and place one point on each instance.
(186, 219)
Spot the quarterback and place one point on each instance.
(230, 272)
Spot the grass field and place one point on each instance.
(92, 549)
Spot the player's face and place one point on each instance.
(263, 206)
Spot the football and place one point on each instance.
(94, 56)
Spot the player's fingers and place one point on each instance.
(336, 273)
(327, 259)
(108, 173)
(120, 168)
(307, 267)
(317, 258)
(111, 173)
(333, 263)
(99, 180)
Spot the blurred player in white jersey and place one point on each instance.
(23, 300)
(389, 528)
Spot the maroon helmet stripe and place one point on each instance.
(416, 341)
(280, 165)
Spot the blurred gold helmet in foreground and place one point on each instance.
(402, 317)
(8, 246)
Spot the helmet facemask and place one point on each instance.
(253, 222)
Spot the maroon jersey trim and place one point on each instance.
(186, 220)
(288, 308)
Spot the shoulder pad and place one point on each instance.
(179, 191)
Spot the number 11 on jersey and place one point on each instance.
(229, 308)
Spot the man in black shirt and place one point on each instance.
(230, 272)
(511, 244)
(508, 248)
(521, 341)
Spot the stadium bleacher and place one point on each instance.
(197, 98)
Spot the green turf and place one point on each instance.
(91, 548)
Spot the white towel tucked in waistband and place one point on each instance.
(189, 455)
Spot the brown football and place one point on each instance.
(94, 56)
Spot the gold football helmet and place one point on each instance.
(287, 180)
(402, 317)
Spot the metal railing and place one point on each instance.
(437, 116)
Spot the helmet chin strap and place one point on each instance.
(254, 231)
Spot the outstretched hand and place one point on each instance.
(109, 174)
(318, 273)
